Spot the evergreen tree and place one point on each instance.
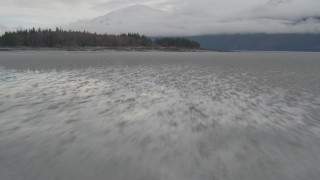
(59, 37)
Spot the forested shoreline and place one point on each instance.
(63, 38)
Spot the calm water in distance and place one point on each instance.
(159, 115)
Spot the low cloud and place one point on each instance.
(188, 16)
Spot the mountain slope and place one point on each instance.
(260, 42)
(153, 22)
(135, 18)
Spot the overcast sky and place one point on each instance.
(215, 15)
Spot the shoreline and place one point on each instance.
(139, 49)
(128, 49)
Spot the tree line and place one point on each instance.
(176, 42)
(61, 38)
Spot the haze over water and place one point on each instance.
(159, 115)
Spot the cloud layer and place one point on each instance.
(195, 17)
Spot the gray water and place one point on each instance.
(159, 115)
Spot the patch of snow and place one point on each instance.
(137, 18)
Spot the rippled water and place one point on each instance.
(159, 115)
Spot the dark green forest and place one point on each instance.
(62, 38)
(261, 42)
(176, 42)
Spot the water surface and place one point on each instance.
(159, 115)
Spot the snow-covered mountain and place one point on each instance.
(155, 22)
(137, 18)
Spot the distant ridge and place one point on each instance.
(137, 18)
(260, 42)
(157, 23)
